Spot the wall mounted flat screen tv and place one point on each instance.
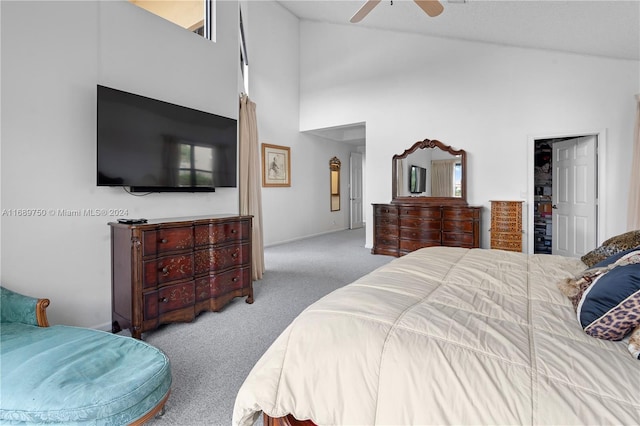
(417, 179)
(155, 146)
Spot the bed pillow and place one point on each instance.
(613, 245)
(611, 259)
(607, 298)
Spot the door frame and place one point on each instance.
(601, 174)
(351, 189)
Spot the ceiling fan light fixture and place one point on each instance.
(430, 7)
(364, 11)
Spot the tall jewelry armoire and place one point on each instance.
(506, 225)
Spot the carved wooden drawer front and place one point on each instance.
(457, 239)
(457, 226)
(222, 258)
(413, 222)
(168, 299)
(221, 233)
(167, 240)
(386, 220)
(430, 212)
(164, 271)
(202, 289)
(420, 234)
(225, 282)
(381, 210)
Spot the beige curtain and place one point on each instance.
(250, 189)
(442, 178)
(400, 178)
(633, 213)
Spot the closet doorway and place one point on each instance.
(564, 215)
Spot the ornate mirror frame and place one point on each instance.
(432, 144)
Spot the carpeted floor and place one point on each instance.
(211, 356)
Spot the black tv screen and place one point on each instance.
(417, 179)
(152, 145)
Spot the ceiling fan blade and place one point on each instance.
(364, 10)
(431, 7)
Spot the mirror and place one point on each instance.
(334, 171)
(429, 172)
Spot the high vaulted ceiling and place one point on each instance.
(595, 27)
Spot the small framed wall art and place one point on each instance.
(276, 165)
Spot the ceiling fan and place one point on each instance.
(431, 8)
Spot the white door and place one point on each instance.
(574, 196)
(355, 191)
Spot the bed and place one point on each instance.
(445, 335)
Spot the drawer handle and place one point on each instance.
(234, 255)
(164, 241)
(165, 270)
(164, 300)
(233, 231)
(235, 279)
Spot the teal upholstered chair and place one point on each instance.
(73, 375)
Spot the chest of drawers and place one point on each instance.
(171, 270)
(403, 228)
(506, 225)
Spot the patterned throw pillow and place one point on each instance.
(607, 298)
(613, 245)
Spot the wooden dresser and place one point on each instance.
(506, 225)
(402, 228)
(172, 269)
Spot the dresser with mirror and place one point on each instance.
(428, 206)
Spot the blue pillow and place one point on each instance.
(610, 307)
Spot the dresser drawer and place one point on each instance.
(432, 236)
(505, 224)
(222, 258)
(387, 231)
(170, 298)
(511, 241)
(425, 212)
(384, 220)
(222, 233)
(390, 242)
(419, 223)
(457, 226)
(460, 213)
(167, 269)
(167, 240)
(226, 282)
(384, 210)
(409, 245)
(455, 239)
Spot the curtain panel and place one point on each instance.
(442, 178)
(250, 202)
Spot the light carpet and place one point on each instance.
(211, 356)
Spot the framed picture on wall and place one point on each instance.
(276, 165)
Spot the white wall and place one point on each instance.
(273, 43)
(486, 99)
(53, 55)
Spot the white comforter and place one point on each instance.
(446, 336)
